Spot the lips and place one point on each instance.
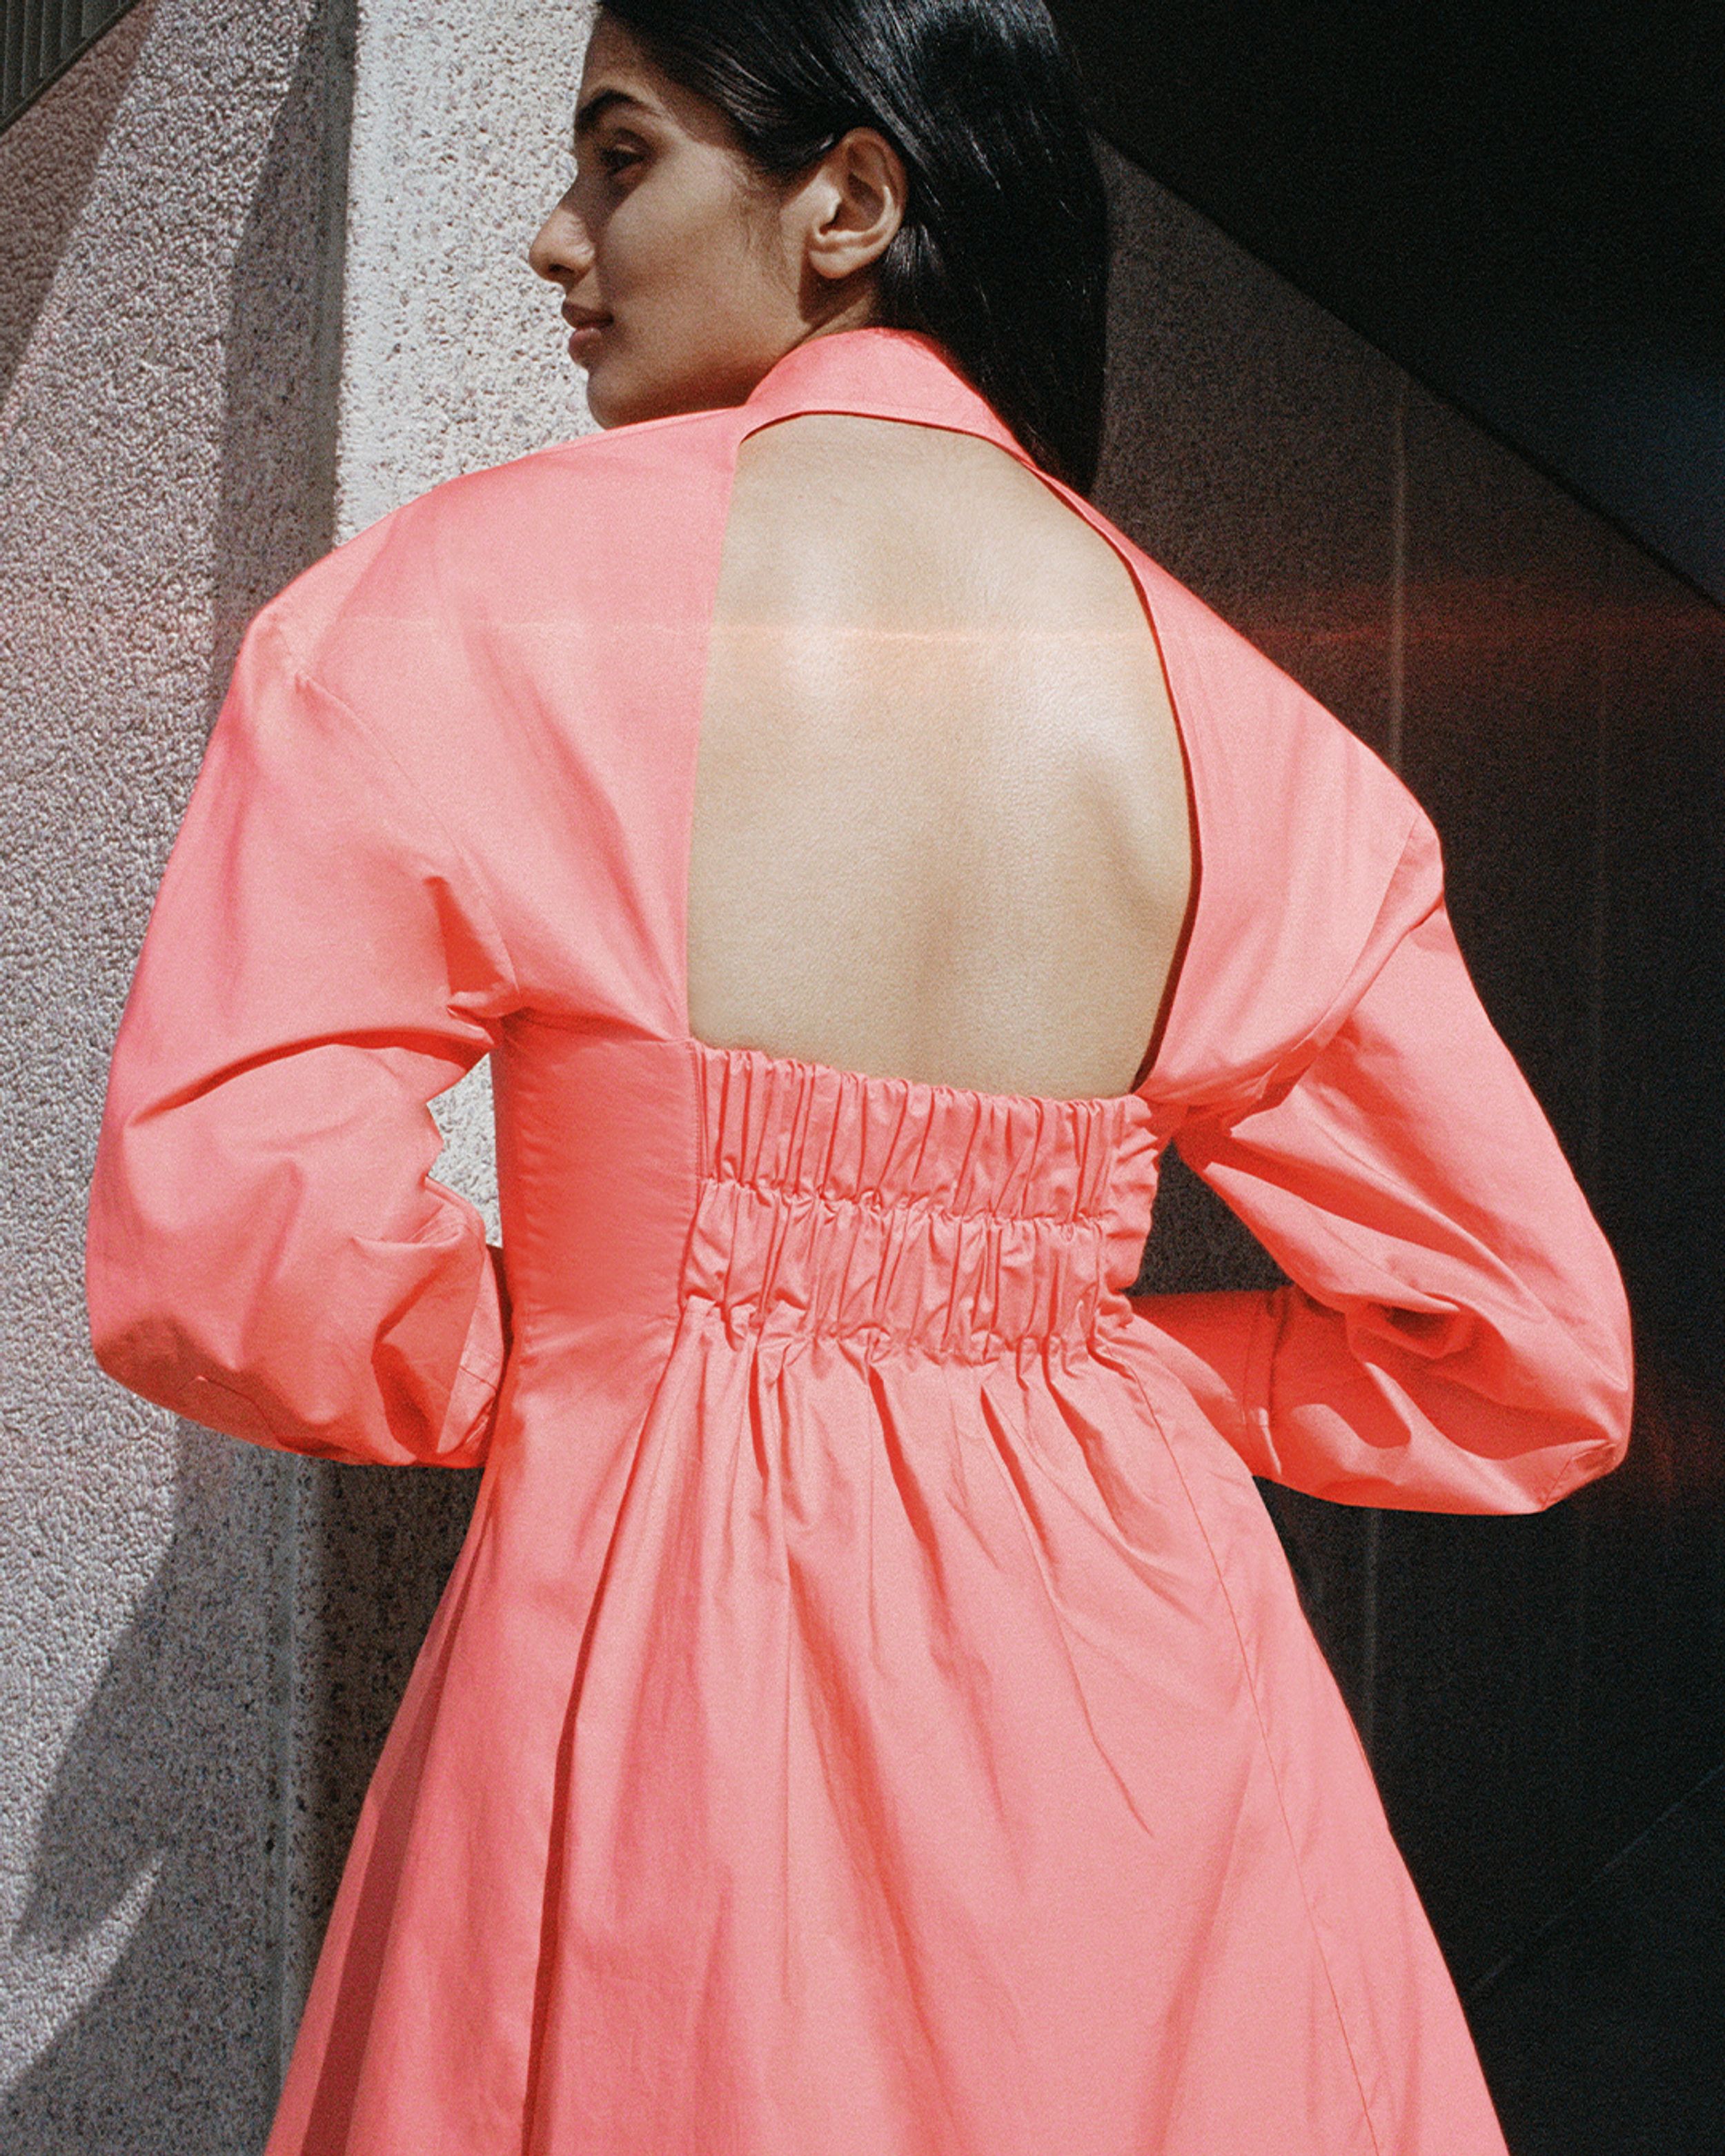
(586, 327)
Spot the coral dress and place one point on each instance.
(871, 1714)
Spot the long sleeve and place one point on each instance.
(267, 1253)
(1455, 1336)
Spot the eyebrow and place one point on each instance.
(587, 116)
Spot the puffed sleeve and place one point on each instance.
(1455, 1336)
(267, 1253)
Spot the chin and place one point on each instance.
(615, 401)
(601, 400)
(617, 395)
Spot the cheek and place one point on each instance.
(702, 304)
(690, 258)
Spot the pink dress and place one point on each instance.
(871, 1714)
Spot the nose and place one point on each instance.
(562, 249)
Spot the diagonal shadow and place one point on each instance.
(205, 1758)
(170, 1769)
(1640, 1953)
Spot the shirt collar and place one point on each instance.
(877, 374)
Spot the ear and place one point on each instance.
(855, 203)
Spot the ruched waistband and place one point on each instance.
(913, 1215)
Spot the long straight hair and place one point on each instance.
(1002, 255)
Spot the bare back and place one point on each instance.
(940, 822)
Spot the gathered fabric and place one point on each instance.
(908, 1218)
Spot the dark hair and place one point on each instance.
(1003, 257)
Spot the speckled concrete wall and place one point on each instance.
(165, 462)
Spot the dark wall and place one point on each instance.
(1523, 204)
(1544, 1698)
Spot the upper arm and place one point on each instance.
(1456, 1335)
(267, 1251)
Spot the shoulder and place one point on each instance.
(516, 540)
(489, 624)
(1266, 742)
(1264, 746)
(1314, 857)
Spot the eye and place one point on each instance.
(618, 161)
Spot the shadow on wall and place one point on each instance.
(376, 1547)
(225, 1751)
(170, 1768)
(276, 509)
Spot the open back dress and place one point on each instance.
(871, 1714)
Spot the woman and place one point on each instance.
(871, 1712)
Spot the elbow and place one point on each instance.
(142, 1340)
(119, 1335)
(1599, 1410)
(1614, 1387)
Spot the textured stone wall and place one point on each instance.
(165, 462)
